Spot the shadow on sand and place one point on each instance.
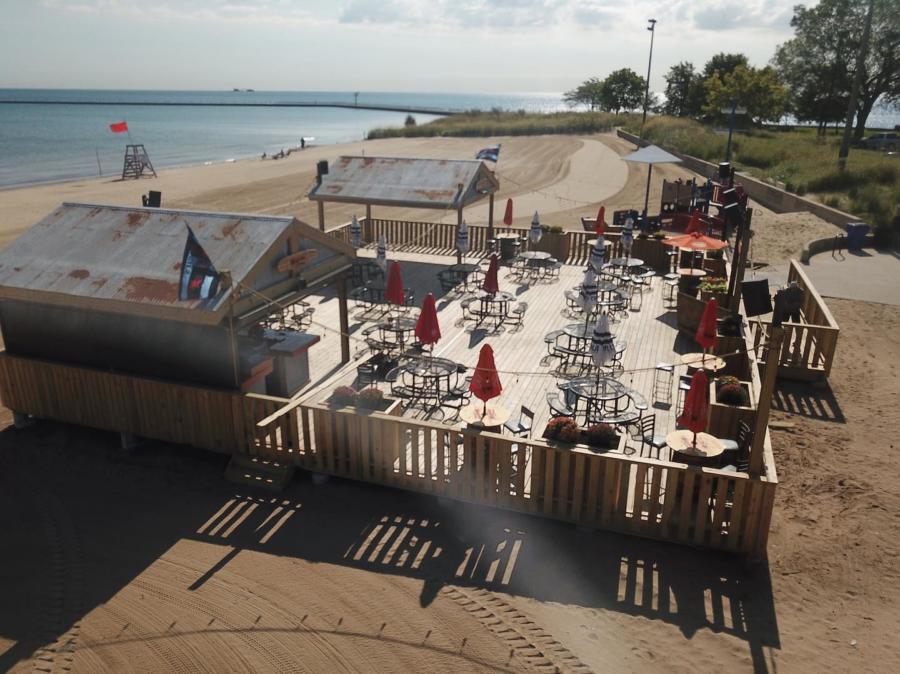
(81, 520)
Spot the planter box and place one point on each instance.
(582, 444)
(555, 243)
(723, 419)
(388, 405)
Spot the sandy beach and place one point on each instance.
(150, 561)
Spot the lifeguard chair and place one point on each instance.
(137, 161)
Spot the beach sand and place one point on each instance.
(150, 562)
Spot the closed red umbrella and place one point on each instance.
(507, 217)
(394, 291)
(600, 224)
(427, 329)
(706, 331)
(695, 415)
(695, 224)
(491, 284)
(485, 381)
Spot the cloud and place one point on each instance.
(256, 11)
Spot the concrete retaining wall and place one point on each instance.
(769, 196)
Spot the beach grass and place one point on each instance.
(797, 160)
(478, 123)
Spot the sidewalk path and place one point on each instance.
(868, 275)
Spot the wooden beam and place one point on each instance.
(740, 262)
(367, 230)
(490, 231)
(459, 219)
(321, 205)
(765, 401)
(344, 320)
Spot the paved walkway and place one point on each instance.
(867, 275)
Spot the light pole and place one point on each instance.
(652, 29)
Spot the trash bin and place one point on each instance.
(856, 235)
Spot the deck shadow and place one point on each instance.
(807, 400)
(164, 493)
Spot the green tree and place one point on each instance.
(819, 62)
(724, 64)
(757, 90)
(684, 91)
(622, 90)
(587, 93)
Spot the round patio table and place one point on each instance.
(707, 447)
(708, 362)
(495, 304)
(488, 416)
(535, 255)
(472, 272)
(687, 271)
(626, 262)
(394, 331)
(428, 374)
(593, 242)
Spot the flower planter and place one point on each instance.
(583, 444)
(723, 419)
(385, 406)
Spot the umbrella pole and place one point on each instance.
(647, 194)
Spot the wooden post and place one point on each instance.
(459, 219)
(368, 229)
(740, 263)
(344, 322)
(322, 215)
(765, 400)
(490, 229)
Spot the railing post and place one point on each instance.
(765, 401)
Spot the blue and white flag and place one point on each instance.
(355, 233)
(597, 257)
(628, 235)
(462, 238)
(199, 278)
(381, 253)
(491, 153)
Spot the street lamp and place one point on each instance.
(652, 29)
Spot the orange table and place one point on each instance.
(475, 416)
(708, 362)
(707, 447)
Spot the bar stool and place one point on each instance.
(662, 382)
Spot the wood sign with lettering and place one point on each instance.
(291, 263)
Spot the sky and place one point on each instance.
(370, 45)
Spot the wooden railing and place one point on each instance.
(163, 410)
(807, 351)
(440, 238)
(656, 499)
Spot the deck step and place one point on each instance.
(257, 472)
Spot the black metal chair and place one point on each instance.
(649, 438)
(522, 425)
(737, 453)
(558, 406)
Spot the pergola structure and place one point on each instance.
(441, 184)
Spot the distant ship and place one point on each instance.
(236, 89)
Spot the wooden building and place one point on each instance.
(441, 184)
(97, 287)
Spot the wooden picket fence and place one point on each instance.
(646, 497)
(807, 351)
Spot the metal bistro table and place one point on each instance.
(580, 336)
(626, 262)
(429, 378)
(493, 305)
(599, 391)
(535, 261)
(470, 273)
(395, 329)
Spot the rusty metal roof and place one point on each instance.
(114, 258)
(412, 183)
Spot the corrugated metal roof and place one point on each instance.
(415, 183)
(99, 254)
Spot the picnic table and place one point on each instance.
(467, 274)
(607, 400)
(492, 305)
(394, 331)
(426, 380)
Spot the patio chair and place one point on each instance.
(522, 425)
(366, 374)
(558, 407)
(737, 452)
(517, 316)
(448, 280)
(458, 396)
(550, 340)
(553, 267)
(662, 382)
(647, 425)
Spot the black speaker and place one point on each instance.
(757, 300)
(153, 199)
(322, 167)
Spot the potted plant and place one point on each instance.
(562, 429)
(372, 399)
(601, 436)
(554, 241)
(731, 403)
(343, 396)
(713, 286)
(369, 399)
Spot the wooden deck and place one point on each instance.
(521, 355)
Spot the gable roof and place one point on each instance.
(413, 183)
(128, 260)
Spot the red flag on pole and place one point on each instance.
(507, 217)
(119, 127)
